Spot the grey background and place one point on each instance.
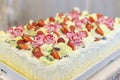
(24, 10)
(35, 9)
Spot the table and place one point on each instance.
(110, 72)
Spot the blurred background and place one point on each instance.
(17, 12)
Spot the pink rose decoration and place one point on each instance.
(58, 26)
(107, 21)
(38, 40)
(74, 14)
(78, 23)
(81, 35)
(52, 27)
(70, 35)
(49, 39)
(76, 38)
(85, 21)
(17, 31)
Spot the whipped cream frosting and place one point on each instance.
(72, 64)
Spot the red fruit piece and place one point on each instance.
(56, 33)
(64, 30)
(23, 46)
(89, 27)
(21, 41)
(55, 54)
(72, 28)
(41, 23)
(60, 15)
(99, 15)
(51, 19)
(27, 38)
(29, 27)
(37, 52)
(63, 24)
(60, 40)
(66, 19)
(99, 31)
(40, 33)
(71, 45)
(91, 19)
(34, 24)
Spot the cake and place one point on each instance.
(60, 47)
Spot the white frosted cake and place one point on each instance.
(60, 47)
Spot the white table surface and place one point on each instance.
(109, 72)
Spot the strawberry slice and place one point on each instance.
(64, 30)
(89, 27)
(21, 41)
(63, 24)
(66, 19)
(41, 23)
(51, 19)
(99, 15)
(34, 24)
(91, 19)
(60, 15)
(40, 33)
(37, 52)
(27, 38)
(29, 27)
(23, 46)
(96, 39)
(58, 35)
(55, 54)
(72, 28)
(36, 28)
(99, 31)
(71, 45)
(60, 40)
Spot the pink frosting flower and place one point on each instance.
(85, 21)
(38, 40)
(49, 39)
(70, 35)
(81, 35)
(76, 38)
(107, 21)
(78, 23)
(52, 27)
(74, 14)
(14, 32)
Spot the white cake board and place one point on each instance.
(93, 69)
(6, 73)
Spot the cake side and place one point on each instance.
(62, 67)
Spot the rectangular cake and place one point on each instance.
(60, 47)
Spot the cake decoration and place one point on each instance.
(71, 29)
(38, 40)
(109, 22)
(17, 31)
(49, 39)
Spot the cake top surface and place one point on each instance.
(56, 37)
